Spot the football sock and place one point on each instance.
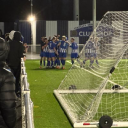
(84, 61)
(91, 62)
(72, 61)
(64, 62)
(54, 63)
(48, 64)
(58, 62)
(44, 62)
(40, 62)
(97, 62)
(51, 63)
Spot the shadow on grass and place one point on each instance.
(50, 69)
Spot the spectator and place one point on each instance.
(7, 90)
(11, 35)
(14, 59)
(0, 33)
(41, 54)
(7, 37)
(25, 47)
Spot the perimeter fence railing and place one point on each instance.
(26, 102)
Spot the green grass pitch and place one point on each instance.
(47, 111)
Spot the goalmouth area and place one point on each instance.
(94, 92)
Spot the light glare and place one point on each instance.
(31, 18)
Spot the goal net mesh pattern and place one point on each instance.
(90, 89)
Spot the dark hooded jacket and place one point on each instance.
(16, 51)
(7, 91)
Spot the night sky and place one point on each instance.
(12, 10)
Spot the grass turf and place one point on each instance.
(47, 112)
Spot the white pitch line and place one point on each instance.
(90, 91)
(95, 74)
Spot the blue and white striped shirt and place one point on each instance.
(63, 47)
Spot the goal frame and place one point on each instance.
(58, 93)
(76, 124)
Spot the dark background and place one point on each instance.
(12, 10)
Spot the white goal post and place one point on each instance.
(97, 84)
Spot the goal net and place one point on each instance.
(97, 84)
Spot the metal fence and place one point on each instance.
(26, 103)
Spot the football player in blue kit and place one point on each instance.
(45, 50)
(74, 53)
(57, 61)
(63, 45)
(96, 46)
(89, 52)
(52, 51)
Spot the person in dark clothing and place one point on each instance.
(0, 33)
(42, 43)
(7, 37)
(7, 90)
(14, 58)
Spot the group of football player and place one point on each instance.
(54, 51)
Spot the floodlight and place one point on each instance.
(31, 18)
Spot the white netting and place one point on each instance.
(88, 89)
